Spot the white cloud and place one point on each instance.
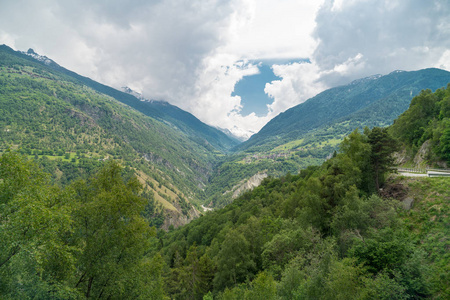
(362, 38)
(299, 83)
(213, 100)
(7, 39)
(444, 61)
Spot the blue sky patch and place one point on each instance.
(251, 88)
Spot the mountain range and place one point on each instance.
(200, 163)
(372, 101)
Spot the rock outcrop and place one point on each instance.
(250, 184)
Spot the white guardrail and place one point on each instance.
(430, 172)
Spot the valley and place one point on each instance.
(105, 195)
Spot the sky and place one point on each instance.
(234, 64)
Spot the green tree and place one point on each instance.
(262, 287)
(411, 125)
(111, 233)
(35, 260)
(356, 146)
(444, 145)
(235, 262)
(382, 148)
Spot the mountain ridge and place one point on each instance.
(295, 121)
(71, 129)
(183, 120)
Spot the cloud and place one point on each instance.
(154, 46)
(361, 38)
(213, 100)
(299, 83)
(177, 50)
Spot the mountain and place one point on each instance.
(190, 125)
(160, 110)
(372, 101)
(70, 128)
(309, 133)
(84, 177)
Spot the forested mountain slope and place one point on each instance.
(329, 232)
(310, 132)
(372, 101)
(334, 231)
(184, 121)
(71, 128)
(425, 128)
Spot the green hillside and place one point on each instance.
(426, 125)
(71, 129)
(373, 101)
(330, 232)
(182, 120)
(309, 133)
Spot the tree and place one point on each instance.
(356, 146)
(235, 262)
(444, 145)
(111, 233)
(263, 287)
(382, 148)
(35, 259)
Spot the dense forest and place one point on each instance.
(334, 231)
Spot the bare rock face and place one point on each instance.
(423, 152)
(401, 157)
(177, 219)
(250, 184)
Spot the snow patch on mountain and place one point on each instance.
(38, 57)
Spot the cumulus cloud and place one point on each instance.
(156, 47)
(177, 50)
(299, 83)
(361, 38)
(213, 99)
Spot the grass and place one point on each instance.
(144, 178)
(288, 146)
(429, 220)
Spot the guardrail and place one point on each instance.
(439, 170)
(413, 170)
(438, 174)
(431, 172)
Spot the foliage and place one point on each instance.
(427, 119)
(310, 132)
(86, 240)
(322, 234)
